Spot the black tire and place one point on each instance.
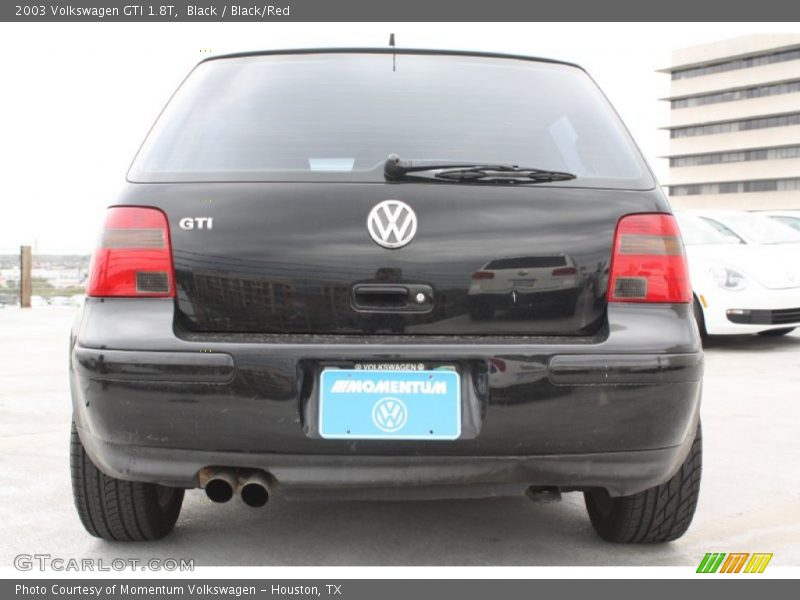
(776, 332)
(659, 514)
(117, 510)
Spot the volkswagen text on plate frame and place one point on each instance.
(549, 275)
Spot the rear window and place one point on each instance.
(337, 116)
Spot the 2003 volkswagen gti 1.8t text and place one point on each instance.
(355, 274)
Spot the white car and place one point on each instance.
(741, 287)
(752, 228)
(787, 217)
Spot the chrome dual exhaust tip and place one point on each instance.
(224, 483)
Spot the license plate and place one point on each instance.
(523, 282)
(401, 405)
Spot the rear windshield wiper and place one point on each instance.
(395, 168)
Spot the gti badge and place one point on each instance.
(392, 224)
(190, 223)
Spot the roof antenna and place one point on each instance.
(394, 54)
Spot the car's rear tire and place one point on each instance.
(117, 510)
(776, 332)
(659, 514)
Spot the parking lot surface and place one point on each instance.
(749, 502)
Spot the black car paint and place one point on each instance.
(283, 258)
(144, 387)
(607, 397)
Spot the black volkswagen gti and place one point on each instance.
(282, 300)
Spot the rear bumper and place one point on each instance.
(616, 411)
(349, 477)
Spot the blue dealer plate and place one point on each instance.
(401, 405)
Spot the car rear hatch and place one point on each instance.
(268, 167)
(295, 258)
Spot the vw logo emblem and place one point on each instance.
(392, 224)
(389, 414)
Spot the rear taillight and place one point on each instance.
(483, 275)
(648, 264)
(563, 271)
(133, 256)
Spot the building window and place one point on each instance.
(728, 187)
(738, 63)
(736, 187)
(731, 126)
(738, 156)
(741, 94)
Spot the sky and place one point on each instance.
(76, 100)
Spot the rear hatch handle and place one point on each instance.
(388, 298)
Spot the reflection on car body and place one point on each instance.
(524, 283)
